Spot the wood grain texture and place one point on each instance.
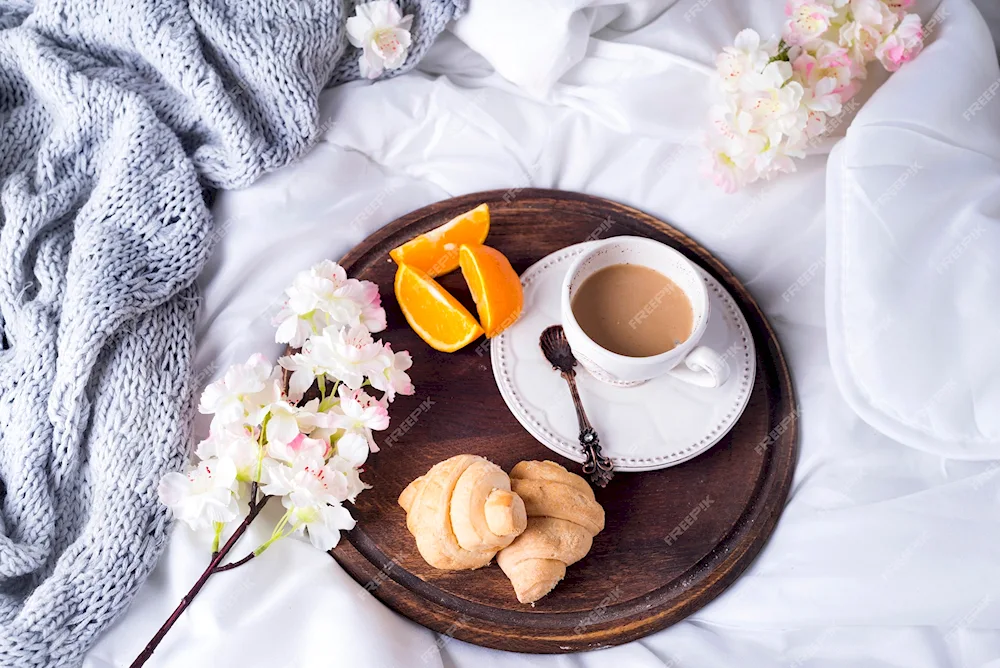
(653, 564)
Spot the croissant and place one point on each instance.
(563, 518)
(461, 512)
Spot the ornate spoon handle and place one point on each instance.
(598, 467)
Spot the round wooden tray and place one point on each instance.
(674, 538)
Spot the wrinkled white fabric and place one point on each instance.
(886, 555)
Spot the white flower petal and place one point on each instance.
(358, 28)
(282, 427)
(747, 40)
(382, 32)
(353, 447)
(367, 68)
(203, 496)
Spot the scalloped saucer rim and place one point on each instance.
(665, 421)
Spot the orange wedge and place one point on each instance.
(436, 252)
(436, 316)
(494, 285)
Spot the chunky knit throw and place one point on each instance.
(118, 118)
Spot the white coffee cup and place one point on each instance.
(688, 361)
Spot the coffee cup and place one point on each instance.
(686, 360)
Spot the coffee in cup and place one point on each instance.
(634, 309)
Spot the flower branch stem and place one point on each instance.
(235, 564)
(147, 652)
(276, 535)
(260, 459)
(782, 54)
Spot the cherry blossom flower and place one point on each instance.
(286, 422)
(306, 481)
(807, 20)
(829, 60)
(871, 21)
(780, 96)
(746, 57)
(901, 45)
(353, 447)
(351, 472)
(322, 522)
(372, 316)
(822, 97)
(381, 31)
(361, 413)
(775, 157)
(243, 394)
(875, 13)
(313, 492)
(776, 106)
(345, 354)
(725, 172)
(305, 370)
(388, 372)
(204, 496)
(307, 453)
(731, 145)
(323, 297)
(239, 447)
(301, 447)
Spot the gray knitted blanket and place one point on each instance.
(118, 118)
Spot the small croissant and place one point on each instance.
(563, 518)
(461, 512)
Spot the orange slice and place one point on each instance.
(436, 252)
(495, 286)
(436, 316)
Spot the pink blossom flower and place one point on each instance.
(822, 97)
(300, 447)
(354, 483)
(204, 496)
(243, 394)
(724, 171)
(871, 21)
(829, 60)
(748, 56)
(778, 101)
(360, 412)
(902, 44)
(807, 20)
(238, 446)
(324, 297)
(389, 373)
(353, 447)
(305, 482)
(347, 355)
(323, 523)
(381, 31)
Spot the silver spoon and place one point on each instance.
(556, 349)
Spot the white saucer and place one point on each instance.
(652, 426)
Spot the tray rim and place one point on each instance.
(715, 572)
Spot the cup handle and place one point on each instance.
(703, 367)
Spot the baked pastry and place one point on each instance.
(563, 518)
(461, 512)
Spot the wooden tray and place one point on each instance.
(675, 538)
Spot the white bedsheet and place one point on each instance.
(886, 555)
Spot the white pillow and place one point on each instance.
(532, 43)
(913, 247)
